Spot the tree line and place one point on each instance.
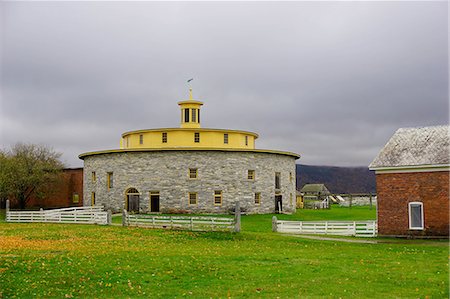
(28, 170)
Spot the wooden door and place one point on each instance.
(278, 203)
(154, 203)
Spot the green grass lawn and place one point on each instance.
(89, 261)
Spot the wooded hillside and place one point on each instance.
(337, 179)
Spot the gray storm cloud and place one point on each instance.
(329, 80)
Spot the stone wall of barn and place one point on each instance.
(396, 190)
(167, 172)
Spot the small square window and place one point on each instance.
(75, 198)
(193, 172)
(196, 137)
(217, 198)
(251, 174)
(192, 198)
(257, 198)
(164, 137)
(225, 138)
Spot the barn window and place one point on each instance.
(164, 137)
(257, 198)
(110, 180)
(246, 140)
(196, 137)
(251, 174)
(94, 177)
(415, 215)
(192, 198)
(141, 139)
(217, 198)
(193, 173)
(93, 198)
(277, 180)
(75, 198)
(225, 138)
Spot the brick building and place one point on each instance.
(412, 174)
(66, 192)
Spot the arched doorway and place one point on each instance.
(132, 200)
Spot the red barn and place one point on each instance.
(67, 192)
(412, 174)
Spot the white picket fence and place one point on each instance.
(193, 223)
(341, 228)
(81, 215)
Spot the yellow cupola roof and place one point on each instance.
(190, 112)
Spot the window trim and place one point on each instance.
(190, 173)
(189, 198)
(194, 115)
(218, 195)
(417, 203)
(110, 180)
(75, 197)
(277, 180)
(186, 115)
(257, 198)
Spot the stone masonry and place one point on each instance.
(167, 172)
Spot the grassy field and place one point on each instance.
(82, 261)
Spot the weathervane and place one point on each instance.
(190, 88)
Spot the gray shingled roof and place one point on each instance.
(415, 147)
(316, 188)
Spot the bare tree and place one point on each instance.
(28, 169)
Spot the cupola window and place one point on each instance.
(186, 115)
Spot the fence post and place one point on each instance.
(237, 217)
(274, 224)
(109, 217)
(7, 209)
(124, 218)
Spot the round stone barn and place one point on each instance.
(190, 170)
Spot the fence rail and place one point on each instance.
(80, 215)
(342, 228)
(194, 223)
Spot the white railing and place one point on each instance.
(342, 228)
(81, 215)
(193, 223)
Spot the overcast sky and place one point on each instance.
(331, 81)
